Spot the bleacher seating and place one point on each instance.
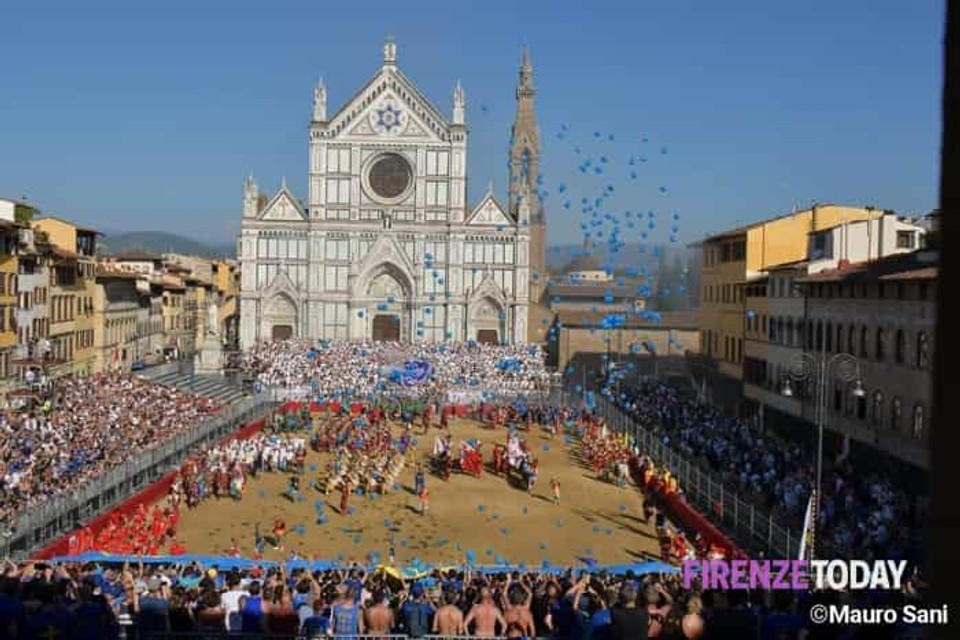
(208, 386)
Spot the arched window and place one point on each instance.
(899, 346)
(863, 342)
(829, 337)
(789, 340)
(780, 335)
(837, 396)
(895, 411)
(917, 429)
(879, 344)
(923, 358)
(877, 416)
(839, 338)
(819, 343)
(809, 343)
(852, 340)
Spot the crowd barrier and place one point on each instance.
(419, 571)
(147, 496)
(95, 512)
(466, 396)
(752, 526)
(48, 524)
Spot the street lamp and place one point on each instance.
(806, 367)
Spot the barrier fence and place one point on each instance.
(754, 527)
(41, 524)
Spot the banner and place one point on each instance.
(414, 372)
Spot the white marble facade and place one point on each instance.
(387, 246)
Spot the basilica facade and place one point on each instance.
(387, 246)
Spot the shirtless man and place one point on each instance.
(448, 620)
(655, 594)
(486, 615)
(516, 606)
(379, 617)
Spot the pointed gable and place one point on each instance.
(419, 118)
(283, 207)
(487, 288)
(488, 213)
(386, 249)
(281, 285)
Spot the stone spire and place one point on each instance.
(320, 102)
(525, 142)
(251, 195)
(459, 105)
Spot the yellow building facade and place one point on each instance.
(120, 306)
(72, 291)
(9, 267)
(733, 259)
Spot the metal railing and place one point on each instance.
(41, 524)
(754, 527)
(532, 397)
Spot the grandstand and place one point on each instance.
(206, 385)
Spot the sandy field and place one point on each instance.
(486, 516)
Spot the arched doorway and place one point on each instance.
(280, 317)
(486, 322)
(388, 293)
(386, 327)
(488, 336)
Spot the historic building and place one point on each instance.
(387, 247)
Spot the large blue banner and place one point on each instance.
(414, 372)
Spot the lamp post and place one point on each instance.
(821, 369)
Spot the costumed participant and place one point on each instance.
(279, 530)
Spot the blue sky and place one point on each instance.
(130, 116)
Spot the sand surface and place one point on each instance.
(487, 516)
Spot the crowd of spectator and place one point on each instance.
(91, 425)
(39, 600)
(862, 514)
(363, 370)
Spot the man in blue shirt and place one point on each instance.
(416, 613)
(600, 625)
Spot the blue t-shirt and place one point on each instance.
(600, 626)
(154, 614)
(416, 618)
(346, 620)
(315, 626)
(565, 619)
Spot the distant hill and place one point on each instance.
(558, 256)
(630, 255)
(162, 242)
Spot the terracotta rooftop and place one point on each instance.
(103, 272)
(906, 266)
(60, 252)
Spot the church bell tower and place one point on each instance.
(525, 183)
